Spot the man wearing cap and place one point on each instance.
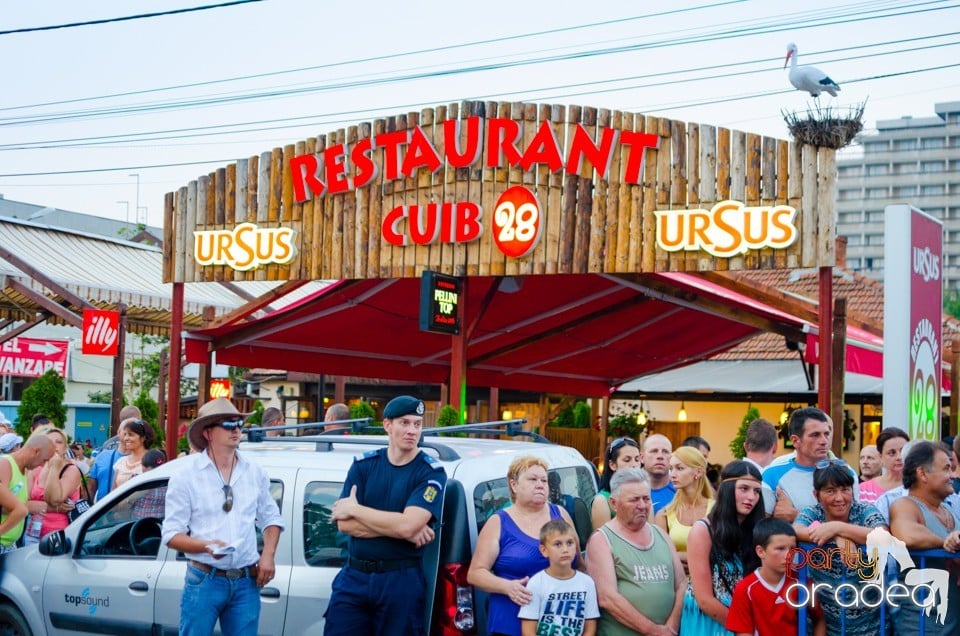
(10, 442)
(14, 490)
(6, 426)
(214, 503)
(389, 499)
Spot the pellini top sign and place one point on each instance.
(913, 252)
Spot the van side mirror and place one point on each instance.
(54, 544)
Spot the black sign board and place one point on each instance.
(439, 299)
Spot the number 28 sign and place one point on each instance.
(516, 224)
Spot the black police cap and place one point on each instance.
(403, 405)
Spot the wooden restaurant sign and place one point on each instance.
(488, 188)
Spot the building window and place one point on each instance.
(955, 188)
(875, 146)
(877, 169)
(905, 191)
(905, 144)
(931, 143)
(848, 171)
(931, 190)
(955, 165)
(931, 166)
(854, 240)
(876, 193)
(955, 142)
(875, 239)
(875, 216)
(849, 217)
(853, 263)
(848, 195)
(904, 168)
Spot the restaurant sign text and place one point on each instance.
(729, 228)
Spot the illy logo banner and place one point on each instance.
(101, 331)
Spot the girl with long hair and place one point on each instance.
(623, 452)
(694, 498)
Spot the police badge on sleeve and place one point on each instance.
(433, 487)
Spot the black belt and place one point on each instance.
(379, 567)
(235, 573)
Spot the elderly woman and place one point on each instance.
(622, 452)
(694, 498)
(136, 438)
(720, 550)
(837, 521)
(638, 574)
(56, 483)
(508, 546)
(890, 443)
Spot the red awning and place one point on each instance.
(575, 334)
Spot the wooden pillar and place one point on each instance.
(493, 406)
(825, 315)
(602, 437)
(954, 385)
(458, 354)
(340, 389)
(838, 373)
(119, 363)
(176, 351)
(162, 382)
(206, 367)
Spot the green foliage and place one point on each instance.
(45, 396)
(577, 415)
(183, 446)
(362, 409)
(257, 415)
(149, 411)
(736, 444)
(99, 397)
(624, 423)
(449, 416)
(951, 303)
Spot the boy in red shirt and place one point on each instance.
(760, 606)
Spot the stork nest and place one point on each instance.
(825, 126)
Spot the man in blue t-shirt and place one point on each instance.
(811, 432)
(656, 461)
(390, 498)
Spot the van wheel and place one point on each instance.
(12, 622)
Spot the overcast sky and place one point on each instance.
(653, 58)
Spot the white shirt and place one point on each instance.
(194, 506)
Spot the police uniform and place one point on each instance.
(381, 588)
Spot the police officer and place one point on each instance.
(389, 499)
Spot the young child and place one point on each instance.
(759, 603)
(564, 600)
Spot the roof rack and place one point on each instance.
(324, 443)
(511, 428)
(356, 426)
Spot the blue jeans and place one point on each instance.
(208, 597)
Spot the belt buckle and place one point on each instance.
(234, 574)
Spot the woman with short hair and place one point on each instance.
(890, 443)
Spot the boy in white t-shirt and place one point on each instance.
(564, 600)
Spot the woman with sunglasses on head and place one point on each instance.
(622, 452)
(694, 498)
(136, 438)
(837, 521)
(890, 444)
(720, 551)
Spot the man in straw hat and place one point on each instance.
(389, 499)
(213, 503)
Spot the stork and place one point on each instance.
(808, 78)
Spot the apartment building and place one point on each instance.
(914, 160)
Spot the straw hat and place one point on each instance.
(210, 414)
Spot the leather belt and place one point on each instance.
(379, 567)
(233, 574)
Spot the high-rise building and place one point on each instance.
(913, 160)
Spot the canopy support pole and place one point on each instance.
(825, 370)
(176, 353)
(839, 366)
(116, 400)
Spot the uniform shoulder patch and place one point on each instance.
(433, 462)
(370, 454)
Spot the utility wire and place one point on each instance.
(139, 16)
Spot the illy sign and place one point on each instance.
(101, 332)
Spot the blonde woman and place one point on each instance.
(694, 498)
(508, 546)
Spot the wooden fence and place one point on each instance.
(585, 440)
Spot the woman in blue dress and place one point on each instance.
(720, 550)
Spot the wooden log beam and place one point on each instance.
(43, 279)
(116, 398)
(16, 331)
(825, 370)
(254, 304)
(51, 306)
(838, 373)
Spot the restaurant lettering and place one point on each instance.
(245, 246)
(728, 229)
(341, 168)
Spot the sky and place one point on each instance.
(106, 118)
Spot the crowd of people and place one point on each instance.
(673, 554)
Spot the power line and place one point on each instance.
(139, 16)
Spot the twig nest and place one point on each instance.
(825, 126)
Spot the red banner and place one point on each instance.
(31, 358)
(101, 331)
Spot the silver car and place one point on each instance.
(107, 573)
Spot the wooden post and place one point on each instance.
(839, 367)
(825, 311)
(161, 382)
(954, 385)
(340, 389)
(493, 406)
(206, 367)
(116, 403)
(604, 420)
(173, 388)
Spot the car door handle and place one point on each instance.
(139, 586)
(270, 592)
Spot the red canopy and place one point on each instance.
(575, 334)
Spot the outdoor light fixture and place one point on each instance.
(682, 415)
(508, 415)
(304, 414)
(641, 418)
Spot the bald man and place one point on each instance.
(656, 461)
